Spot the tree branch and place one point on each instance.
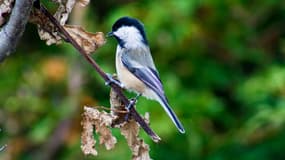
(13, 30)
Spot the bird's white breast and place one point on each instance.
(130, 81)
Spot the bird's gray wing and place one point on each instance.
(148, 75)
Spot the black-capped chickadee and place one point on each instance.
(135, 68)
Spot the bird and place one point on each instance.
(135, 67)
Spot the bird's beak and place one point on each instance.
(110, 34)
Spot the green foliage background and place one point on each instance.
(222, 64)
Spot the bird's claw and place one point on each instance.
(128, 108)
(132, 103)
(112, 80)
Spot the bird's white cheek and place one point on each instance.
(130, 36)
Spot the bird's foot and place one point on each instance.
(128, 108)
(132, 103)
(112, 80)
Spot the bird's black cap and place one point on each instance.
(128, 21)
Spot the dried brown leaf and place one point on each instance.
(101, 121)
(140, 150)
(118, 109)
(63, 10)
(5, 9)
(47, 31)
(129, 129)
(87, 140)
(88, 41)
(101, 124)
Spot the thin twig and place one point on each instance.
(116, 88)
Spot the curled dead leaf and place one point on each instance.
(129, 129)
(140, 150)
(88, 41)
(63, 10)
(101, 121)
(118, 109)
(116, 119)
(47, 31)
(87, 140)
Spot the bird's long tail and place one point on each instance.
(164, 102)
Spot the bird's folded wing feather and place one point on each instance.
(148, 75)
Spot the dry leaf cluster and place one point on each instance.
(103, 122)
(140, 150)
(49, 33)
(5, 9)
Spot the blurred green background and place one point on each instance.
(221, 62)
